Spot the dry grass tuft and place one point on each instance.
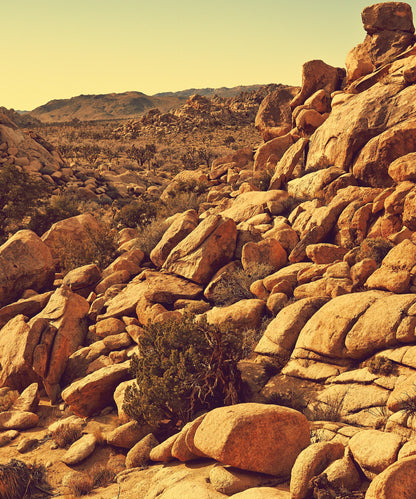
(66, 434)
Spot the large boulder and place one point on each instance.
(74, 233)
(274, 117)
(180, 228)
(154, 287)
(355, 119)
(89, 395)
(398, 480)
(354, 326)
(245, 314)
(254, 437)
(206, 249)
(25, 262)
(317, 75)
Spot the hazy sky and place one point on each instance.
(54, 49)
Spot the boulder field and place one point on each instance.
(330, 402)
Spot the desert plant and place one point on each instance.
(20, 197)
(376, 249)
(99, 248)
(20, 480)
(57, 208)
(185, 367)
(102, 476)
(66, 434)
(381, 365)
(235, 286)
(138, 213)
(80, 484)
(149, 235)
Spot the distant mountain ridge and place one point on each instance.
(124, 105)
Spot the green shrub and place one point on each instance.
(58, 208)
(136, 214)
(185, 367)
(381, 365)
(21, 195)
(149, 235)
(376, 249)
(99, 248)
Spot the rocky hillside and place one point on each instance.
(321, 265)
(123, 105)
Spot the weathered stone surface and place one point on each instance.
(355, 326)
(225, 433)
(311, 462)
(268, 251)
(287, 164)
(207, 248)
(262, 493)
(28, 400)
(61, 326)
(127, 435)
(18, 420)
(398, 480)
(249, 204)
(325, 253)
(139, 455)
(129, 262)
(343, 473)
(25, 306)
(82, 280)
(317, 75)
(388, 16)
(358, 119)
(228, 480)
(25, 262)
(109, 327)
(274, 117)
(245, 314)
(374, 450)
(80, 450)
(156, 287)
(177, 231)
(77, 231)
(282, 332)
(94, 392)
(403, 168)
(163, 451)
(371, 165)
(271, 152)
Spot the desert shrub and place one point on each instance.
(20, 480)
(261, 179)
(376, 249)
(99, 248)
(182, 201)
(66, 434)
(138, 213)
(381, 365)
(80, 484)
(185, 367)
(21, 195)
(228, 140)
(235, 286)
(58, 208)
(102, 476)
(149, 235)
(289, 398)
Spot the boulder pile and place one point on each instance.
(332, 242)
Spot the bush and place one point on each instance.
(376, 249)
(381, 365)
(99, 248)
(20, 197)
(59, 208)
(66, 434)
(185, 367)
(149, 235)
(136, 214)
(80, 484)
(235, 286)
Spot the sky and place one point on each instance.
(56, 49)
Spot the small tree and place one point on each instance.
(20, 197)
(184, 367)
